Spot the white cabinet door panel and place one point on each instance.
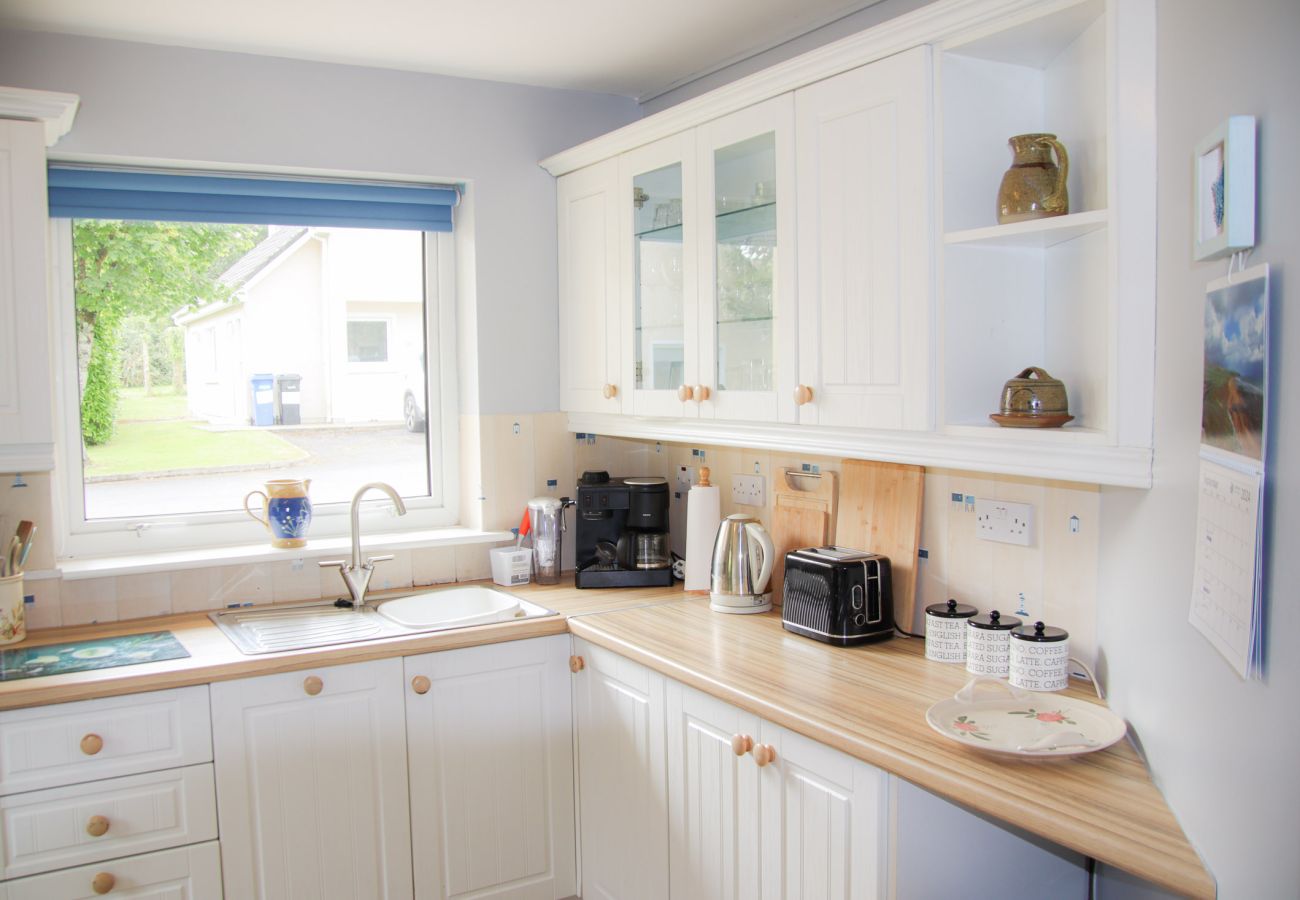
(312, 789)
(622, 778)
(713, 799)
(491, 761)
(824, 822)
(590, 341)
(864, 220)
(26, 421)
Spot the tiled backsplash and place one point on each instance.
(1057, 576)
(87, 600)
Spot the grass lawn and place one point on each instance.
(160, 446)
(134, 405)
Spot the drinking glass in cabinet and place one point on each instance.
(745, 230)
(660, 332)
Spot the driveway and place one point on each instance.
(342, 459)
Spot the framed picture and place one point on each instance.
(1224, 174)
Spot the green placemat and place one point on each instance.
(81, 656)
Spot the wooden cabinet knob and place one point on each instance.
(764, 754)
(103, 883)
(803, 394)
(313, 685)
(97, 826)
(610, 391)
(421, 684)
(92, 744)
(685, 392)
(701, 393)
(741, 744)
(577, 664)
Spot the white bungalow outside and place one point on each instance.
(343, 308)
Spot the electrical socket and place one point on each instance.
(1004, 521)
(686, 476)
(747, 490)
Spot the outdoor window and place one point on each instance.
(209, 354)
(367, 341)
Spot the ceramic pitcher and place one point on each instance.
(1034, 186)
(286, 511)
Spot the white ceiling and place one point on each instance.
(616, 46)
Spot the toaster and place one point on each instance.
(837, 595)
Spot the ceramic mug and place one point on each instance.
(13, 617)
(286, 511)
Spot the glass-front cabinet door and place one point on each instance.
(747, 341)
(660, 277)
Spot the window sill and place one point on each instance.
(241, 554)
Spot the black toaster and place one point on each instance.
(837, 595)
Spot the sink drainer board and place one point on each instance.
(319, 624)
(82, 656)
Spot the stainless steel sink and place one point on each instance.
(320, 624)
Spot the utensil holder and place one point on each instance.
(13, 617)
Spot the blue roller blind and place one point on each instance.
(83, 193)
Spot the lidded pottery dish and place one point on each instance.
(1033, 399)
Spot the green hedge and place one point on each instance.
(99, 399)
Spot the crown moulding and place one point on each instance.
(55, 110)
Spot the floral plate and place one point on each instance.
(1039, 725)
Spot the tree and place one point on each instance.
(147, 269)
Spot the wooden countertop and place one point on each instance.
(869, 702)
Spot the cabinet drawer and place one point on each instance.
(69, 826)
(188, 873)
(68, 743)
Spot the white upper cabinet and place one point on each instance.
(490, 740)
(811, 259)
(658, 246)
(864, 198)
(26, 423)
(589, 295)
(747, 318)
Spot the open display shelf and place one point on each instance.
(1033, 293)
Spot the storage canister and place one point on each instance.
(1040, 657)
(945, 631)
(988, 644)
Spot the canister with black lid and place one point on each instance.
(945, 631)
(1040, 657)
(988, 644)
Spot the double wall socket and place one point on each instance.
(1002, 520)
(747, 490)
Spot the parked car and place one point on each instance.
(413, 405)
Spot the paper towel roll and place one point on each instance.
(703, 516)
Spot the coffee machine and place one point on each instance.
(622, 532)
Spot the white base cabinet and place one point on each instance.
(312, 783)
(622, 784)
(808, 822)
(489, 735)
(759, 811)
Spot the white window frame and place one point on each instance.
(81, 539)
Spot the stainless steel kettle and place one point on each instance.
(743, 555)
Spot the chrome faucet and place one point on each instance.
(356, 574)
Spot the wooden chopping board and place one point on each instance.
(880, 511)
(803, 515)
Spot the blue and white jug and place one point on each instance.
(286, 511)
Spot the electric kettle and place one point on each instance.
(742, 566)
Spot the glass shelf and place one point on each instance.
(751, 225)
(666, 234)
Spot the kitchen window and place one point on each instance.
(268, 336)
